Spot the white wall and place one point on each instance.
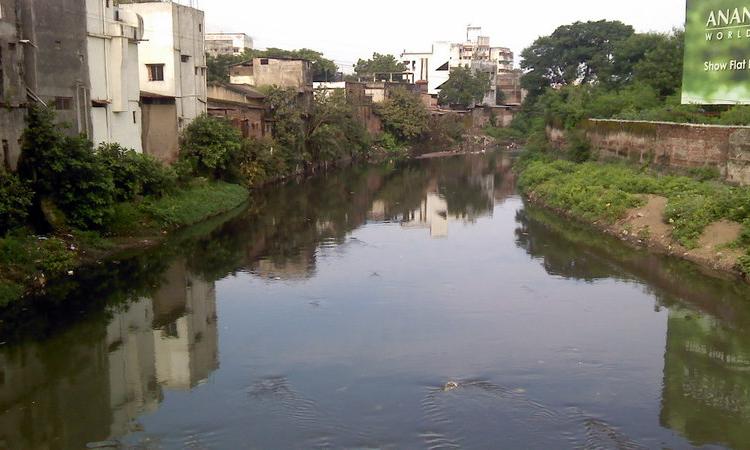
(113, 71)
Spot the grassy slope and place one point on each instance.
(597, 192)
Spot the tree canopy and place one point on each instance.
(379, 63)
(403, 115)
(464, 88)
(578, 53)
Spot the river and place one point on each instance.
(419, 305)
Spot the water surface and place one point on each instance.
(414, 306)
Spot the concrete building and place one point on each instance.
(476, 53)
(12, 86)
(172, 73)
(233, 44)
(112, 44)
(241, 105)
(282, 72)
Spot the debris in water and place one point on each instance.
(103, 444)
(451, 385)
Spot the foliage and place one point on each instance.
(378, 64)
(578, 146)
(194, 204)
(288, 125)
(464, 88)
(211, 146)
(135, 174)
(579, 53)
(16, 199)
(404, 115)
(331, 131)
(66, 170)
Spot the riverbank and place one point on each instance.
(703, 221)
(28, 261)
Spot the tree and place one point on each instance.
(582, 52)
(404, 115)
(379, 63)
(661, 65)
(211, 145)
(464, 88)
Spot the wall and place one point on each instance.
(726, 148)
(12, 87)
(288, 73)
(56, 65)
(160, 137)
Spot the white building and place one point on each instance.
(475, 53)
(112, 47)
(172, 73)
(228, 43)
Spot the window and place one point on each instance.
(134, 118)
(6, 155)
(200, 28)
(155, 72)
(63, 103)
(264, 62)
(184, 58)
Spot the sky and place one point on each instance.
(347, 30)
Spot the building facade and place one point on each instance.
(241, 105)
(282, 72)
(12, 86)
(112, 44)
(476, 53)
(232, 44)
(172, 73)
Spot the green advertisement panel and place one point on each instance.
(717, 52)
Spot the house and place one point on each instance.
(241, 105)
(475, 53)
(293, 73)
(172, 73)
(227, 44)
(113, 35)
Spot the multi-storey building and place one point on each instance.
(476, 53)
(172, 73)
(12, 86)
(112, 44)
(218, 44)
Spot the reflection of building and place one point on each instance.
(93, 381)
(185, 333)
(432, 214)
(706, 385)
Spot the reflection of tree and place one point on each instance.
(706, 395)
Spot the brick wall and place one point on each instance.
(670, 144)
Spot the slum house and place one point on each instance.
(172, 74)
(241, 105)
(294, 73)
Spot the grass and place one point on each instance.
(26, 259)
(604, 192)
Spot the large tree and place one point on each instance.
(582, 52)
(379, 63)
(464, 88)
(404, 115)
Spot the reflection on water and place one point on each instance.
(342, 322)
(93, 381)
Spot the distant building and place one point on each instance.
(172, 73)
(233, 44)
(282, 72)
(112, 47)
(509, 83)
(241, 105)
(476, 53)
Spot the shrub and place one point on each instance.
(578, 146)
(135, 174)
(403, 115)
(16, 199)
(211, 146)
(261, 162)
(66, 170)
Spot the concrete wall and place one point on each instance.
(288, 73)
(726, 148)
(56, 66)
(160, 136)
(12, 87)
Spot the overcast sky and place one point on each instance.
(347, 30)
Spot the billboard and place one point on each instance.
(717, 52)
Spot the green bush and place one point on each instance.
(135, 174)
(578, 145)
(66, 170)
(211, 146)
(16, 199)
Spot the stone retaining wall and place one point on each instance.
(726, 148)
